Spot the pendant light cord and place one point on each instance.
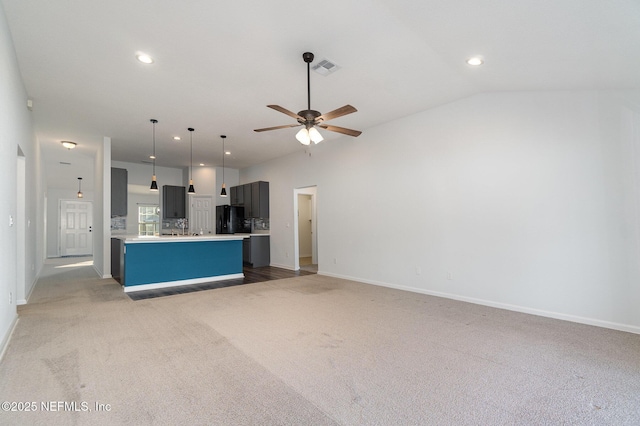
(154, 145)
(190, 129)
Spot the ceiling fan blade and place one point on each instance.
(347, 109)
(341, 130)
(285, 111)
(278, 127)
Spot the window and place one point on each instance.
(148, 219)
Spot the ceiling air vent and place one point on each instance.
(325, 67)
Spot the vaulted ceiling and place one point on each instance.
(218, 64)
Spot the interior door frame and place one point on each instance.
(313, 192)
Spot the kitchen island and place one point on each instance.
(167, 261)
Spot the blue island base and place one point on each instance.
(159, 264)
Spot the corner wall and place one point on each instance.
(526, 201)
(16, 130)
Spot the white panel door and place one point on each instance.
(201, 214)
(75, 228)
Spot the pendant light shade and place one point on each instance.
(154, 183)
(80, 188)
(223, 193)
(191, 188)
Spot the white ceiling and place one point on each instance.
(218, 64)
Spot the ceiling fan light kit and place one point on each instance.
(310, 118)
(306, 136)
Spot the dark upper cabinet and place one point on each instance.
(246, 191)
(118, 192)
(173, 202)
(237, 196)
(260, 199)
(254, 197)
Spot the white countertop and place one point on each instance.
(180, 238)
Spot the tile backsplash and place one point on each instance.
(119, 223)
(260, 224)
(174, 224)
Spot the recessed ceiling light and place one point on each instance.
(228, 152)
(144, 58)
(202, 164)
(176, 138)
(153, 157)
(475, 61)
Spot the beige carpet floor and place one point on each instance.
(310, 350)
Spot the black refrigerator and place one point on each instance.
(230, 219)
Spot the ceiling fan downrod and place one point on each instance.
(308, 58)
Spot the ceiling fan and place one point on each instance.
(310, 118)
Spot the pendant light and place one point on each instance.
(80, 188)
(154, 184)
(223, 193)
(191, 188)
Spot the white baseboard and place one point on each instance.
(506, 306)
(276, 265)
(5, 341)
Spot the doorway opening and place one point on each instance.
(305, 229)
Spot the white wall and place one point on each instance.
(16, 130)
(527, 201)
(102, 210)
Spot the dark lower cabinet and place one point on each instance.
(256, 251)
(117, 259)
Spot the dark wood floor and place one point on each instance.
(251, 275)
